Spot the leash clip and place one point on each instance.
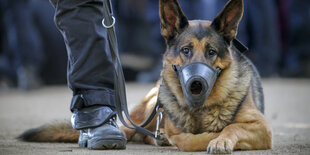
(159, 118)
(113, 23)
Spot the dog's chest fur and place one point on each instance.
(205, 119)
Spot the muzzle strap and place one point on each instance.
(242, 48)
(176, 68)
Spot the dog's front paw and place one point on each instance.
(220, 145)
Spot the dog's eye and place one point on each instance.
(211, 52)
(186, 51)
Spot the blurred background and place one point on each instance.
(33, 54)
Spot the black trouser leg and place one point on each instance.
(90, 68)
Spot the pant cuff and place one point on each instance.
(91, 117)
(88, 98)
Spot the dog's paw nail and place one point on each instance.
(212, 150)
(209, 150)
(227, 149)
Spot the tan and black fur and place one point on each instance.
(232, 116)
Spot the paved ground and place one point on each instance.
(287, 109)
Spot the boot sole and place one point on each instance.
(106, 144)
(82, 143)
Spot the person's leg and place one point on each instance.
(23, 45)
(90, 73)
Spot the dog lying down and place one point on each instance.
(211, 93)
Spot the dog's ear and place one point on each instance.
(172, 19)
(227, 21)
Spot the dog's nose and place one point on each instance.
(196, 87)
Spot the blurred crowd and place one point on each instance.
(32, 51)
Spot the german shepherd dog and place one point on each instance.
(231, 118)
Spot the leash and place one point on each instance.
(119, 82)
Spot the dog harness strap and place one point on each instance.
(119, 82)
